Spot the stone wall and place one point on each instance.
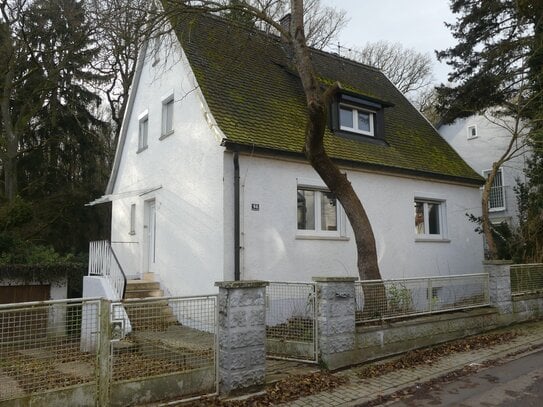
(340, 345)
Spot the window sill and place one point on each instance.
(163, 136)
(494, 210)
(432, 240)
(141, 149)
(321, 237)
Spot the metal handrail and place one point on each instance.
(121, 270)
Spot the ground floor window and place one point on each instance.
(429, 219)
(319, 213)
(317, 210)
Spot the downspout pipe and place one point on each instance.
(237, 247)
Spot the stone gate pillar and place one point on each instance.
(242, 335)
(499, 284)
(336, 320)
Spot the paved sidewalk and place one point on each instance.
(358, 391)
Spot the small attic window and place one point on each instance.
(472, 132)
(358, 118)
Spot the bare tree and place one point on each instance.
(120, 32)
(426, 101)
(511, 118)
(317, 102)
(408, 69)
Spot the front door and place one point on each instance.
(149, 232)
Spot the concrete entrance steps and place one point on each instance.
(144, 288)
(148, 316)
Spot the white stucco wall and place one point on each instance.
(188, 166)
(195, 204)
(271, 250)
(480, 152)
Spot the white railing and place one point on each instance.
(387, 299)
(104, 263)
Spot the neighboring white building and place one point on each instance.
(223, 111)
(480, 142)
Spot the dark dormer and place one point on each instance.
(358, 117)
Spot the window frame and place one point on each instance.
(132, 219)
(442, 219)
(317, 232)
(167, 102)
(143, 132)
(362, 103)
(502, 187)
(470, 136)
(355, 111)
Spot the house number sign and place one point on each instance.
(255, 207)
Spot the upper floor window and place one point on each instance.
(143, 132)
(357, 117)
(167, 116)
(356, 120)
(429, 219)
(472, 132)
(496, 199)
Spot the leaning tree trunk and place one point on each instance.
(335, 180)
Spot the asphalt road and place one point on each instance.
(518, 383)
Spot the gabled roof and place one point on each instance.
(256, 97)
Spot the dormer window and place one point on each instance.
(356, 120)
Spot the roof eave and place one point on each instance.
(240, 147)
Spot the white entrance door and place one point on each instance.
(149, 255)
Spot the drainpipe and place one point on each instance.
(237, 247)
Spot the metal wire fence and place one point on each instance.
(105, 347)
(41, 346)
(526, 278)
(163, 336)
(290, 321)
(387, 299)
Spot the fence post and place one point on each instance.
(242, 335)
(499, 284)
(102, 356)
(430, 295)
(335, 304)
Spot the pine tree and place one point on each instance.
(62, 151)
(497, 66)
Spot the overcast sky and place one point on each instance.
(417, 24)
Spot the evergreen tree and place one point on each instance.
(62, 151)
(497, 65)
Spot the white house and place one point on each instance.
(210, 183)
(480, 141)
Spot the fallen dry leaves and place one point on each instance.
(283, 391)
(430, 355)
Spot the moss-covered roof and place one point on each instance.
(257, 100)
